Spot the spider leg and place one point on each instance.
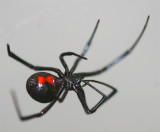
(39, 114)
(61, 99)
(85, 48)
(68, 54)
(104, 98)
(118, 59)
(14, 56)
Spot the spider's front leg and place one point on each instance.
(68, 54)
(118, 59)
(104, 98)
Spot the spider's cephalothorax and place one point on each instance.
(47, 88)
(72, 82)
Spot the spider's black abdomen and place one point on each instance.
(42, 87)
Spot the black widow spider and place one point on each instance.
(45, 87)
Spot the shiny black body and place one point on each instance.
(43, 93)
(67, 81)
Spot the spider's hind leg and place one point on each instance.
(37, 68)
(39, 114)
